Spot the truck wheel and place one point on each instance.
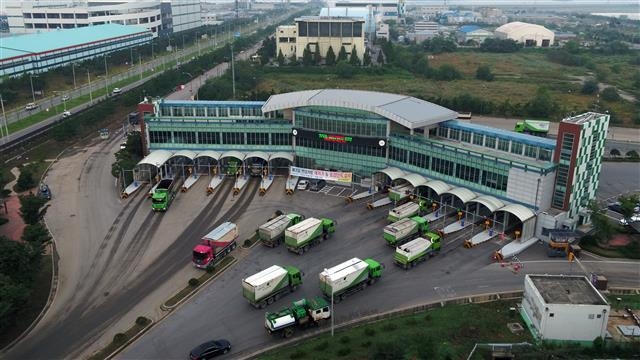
(288, 332)
(372, 281)
(262, 305)
(270, 301)
(325, 236)
(305, 248)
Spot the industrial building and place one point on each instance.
(383, 10)
(472, 33)
(34, 53)
(383, 139)
(530, 35)
(320, 33)
(564, 308)
(159, 16)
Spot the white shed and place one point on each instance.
(531, 35)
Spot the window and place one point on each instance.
(397, 154)
(324, 29)
(184, 137)
(551, 315)
(53, 16)
(233, 138)
(160, 137)
(335, 30)
(281, 139)
(516, 147)
(302, 28)
(82, 16)
(347, 30)
(465, 136)
(531, 151)
(357, 29)
(313, 29)
(209, 137)
(490, 142)
(503, 144)
(257, 139)
(477, 139)
(454, 134)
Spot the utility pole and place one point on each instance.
(106, 77)
(73, 70)
(233, 73)
(90, 93)
(4, 116)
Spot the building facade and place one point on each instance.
(185, 14)
(386, 10)
(320, 33)
(565, 308)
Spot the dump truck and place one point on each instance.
(215, 245)
(533, 127)
(406, 210)
(272, 233)
(349, 277)
(417, 250)
(163, 194)
(303, 313)
(308, 233)
(268, 285)
(400, 193)
(405, 229)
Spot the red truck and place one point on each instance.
(215, 245)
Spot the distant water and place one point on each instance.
(631, 16)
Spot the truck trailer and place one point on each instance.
(406, 210)
(417, 250)
(272, 233)
(349, 277)
(533, 127)
(303, 313)
(405, 229)
(163, 194)
(268, 285)
(215, 245)
(308, 233)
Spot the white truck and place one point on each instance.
(306, 233)
(406, 210)
(272, 233)
(349, 277)
(268, 285)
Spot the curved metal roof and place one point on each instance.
(521, 212)
(490, 202)
(415, 179)
(440, 187)
(156, 158)
(393, 173)
(405, 110)
(209, 153)
(232, 153)
(464, 194)
(259, 154)
(186, 153)
(281, 155)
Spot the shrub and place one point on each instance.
(142, 321)
(389, 351)
(590, 86)
(632, 154)
(322, 346)
(344, 351)
(345, 339)
(193, 282)
(390, 326)
(298, 354)
(369, 331)
(484, 73)
(25, 180)
(366, 344)
(247, 243)
(610, 94)
(427, 317)
(119, 338)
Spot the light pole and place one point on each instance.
(233, 73)
(106, 77)
(141, 69)
(332, 314)
(198, 42)
(182, 42)
(90, 93)
(131, 51)
(73, 70)
(4, 116)
(33, 95)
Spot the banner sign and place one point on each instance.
(338, 138)
(338, 176)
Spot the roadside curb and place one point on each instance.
(128, 342)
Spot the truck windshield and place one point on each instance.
(159, 200)
(199, 258)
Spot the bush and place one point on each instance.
(322, 346)
(369, 331)
(590, 86)
(484, 73)
(298, 354)
(366, 344)
(193, 282)
(119, 338)
(427, 317)
(142, 321)
(25, 180)
(610, 94)
(30, 208)
(345, 339)
(389, 351)
(632, 154)
(344, 351)
(390, 326)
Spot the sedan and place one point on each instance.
(303, 184)
(210, 349)
(632, 219)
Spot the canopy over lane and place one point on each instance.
(233, 153)
(407, 111)
(464, 194)
(258, 154)
(415, 179)
(281, 155)
(521, 212)
(186, 153)
(393, 173)
(156, 158)
(440, 187)
(490, 202)
(209, 153)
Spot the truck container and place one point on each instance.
(215, 245)
(272, 233)
(268, 285)
(349, 277)
(303, 313)
(405, 229)
(308, 233)
(401, 192)
(406, 210)
(164, 194)
(417, 250)
(533, 127)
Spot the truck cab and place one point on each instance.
(375, 268)
(328, 226)
(202, 255)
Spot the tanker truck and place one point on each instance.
(268, 285)
(303, 313)
(308, 233)
(406, 210)
(417, 250)
(405, 229)
(272, 233)
(349, 277)
(215, 245)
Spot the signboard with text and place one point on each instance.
(338, 138)
(338, 176)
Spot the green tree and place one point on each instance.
(590, 86)
(610, 94)
(366, 59)
(30, 208)
(19, 261)
(316, 56)
(342, 54)
(572, 47)
(330, 59)
(280, 58)
(484, 73)
(603, 227)
(307, 56)
(12, 296)
(627, 204)
(293, 60)
(447, 72)
(380, 58)
(25, 180)
(542, 105)
(354, 59)
(36, 234)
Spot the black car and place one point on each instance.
(615, 207)
(317, 185)
(210, 349)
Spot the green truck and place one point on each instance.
(272, 233)
(406, 210)
(270, 284)
(308, 232)
(533, 127)
(349, 277)
(405, 229)
(417, 250)
(303, 313)
(164, 194)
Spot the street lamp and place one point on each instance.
(106, 76)
(90, 93)
(33, 95)
(4, 116)
(73, 70)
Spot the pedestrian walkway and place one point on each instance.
(10, 210)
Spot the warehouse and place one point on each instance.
(530, 35)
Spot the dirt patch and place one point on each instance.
(14, 228)
(619, 240)
(620, 317)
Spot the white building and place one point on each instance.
(383, 32)
(530, 35)
(569, 308)
(32, 16)
(385, 10)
